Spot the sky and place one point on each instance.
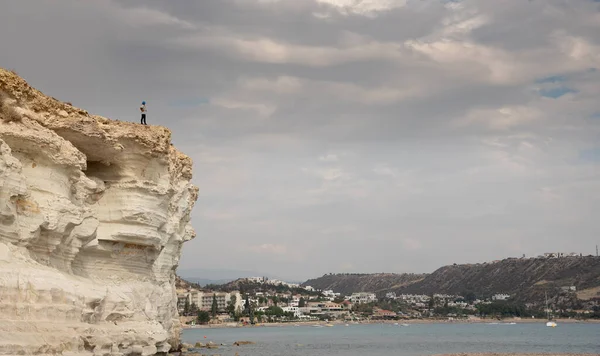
(347, 135)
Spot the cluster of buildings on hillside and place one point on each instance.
(326, 304)
(275, 282)
(545, 255)
(313, 306)
(560, 254)
(305, 306)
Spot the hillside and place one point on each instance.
(526, 279)
(245, 286)
(348, 283)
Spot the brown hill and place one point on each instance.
(525, 279)
(348, 283)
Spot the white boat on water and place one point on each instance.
(549, 323)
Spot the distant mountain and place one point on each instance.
(245, 286)
(220, 276)
(525, 279)
(348, 283)
(203, 282)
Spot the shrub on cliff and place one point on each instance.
(7, 110)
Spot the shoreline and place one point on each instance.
(513, 354)
(406, 321)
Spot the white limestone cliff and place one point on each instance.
(93, 216)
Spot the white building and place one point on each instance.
(295, 310)
(256, 279)
(294, 301)
(309, 288)
(204, 300)
(415, 298)
(500, 296)
(390, 295)
(274, 282)
(328, 293)
(363, 297)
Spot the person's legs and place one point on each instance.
(143, 121)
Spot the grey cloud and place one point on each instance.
(399, 139)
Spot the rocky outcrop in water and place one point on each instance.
(93, 216)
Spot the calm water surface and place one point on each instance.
(413, 340)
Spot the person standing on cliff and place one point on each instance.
(143, 110)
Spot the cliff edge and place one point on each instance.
(93, 216)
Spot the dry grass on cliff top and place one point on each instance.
(17, 89)
(55, 115)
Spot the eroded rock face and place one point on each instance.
(93, 216)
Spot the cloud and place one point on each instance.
(263, 110)
(503, 118)
(273, 249)
(330, 157)
(373, 128)
(350, 92)
(411, 244)
(266, 50)
(369, 8)
(143, 16)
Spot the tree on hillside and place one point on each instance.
(231, 305)
(339, 299)
(186, 307)
(274, 311)
(193, 309)
(203, 317)
(365, 308)
(470, 297)
(301, 303)
(247, 306)
(214, 306)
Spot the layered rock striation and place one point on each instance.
(93, 216)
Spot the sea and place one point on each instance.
(411, 340)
